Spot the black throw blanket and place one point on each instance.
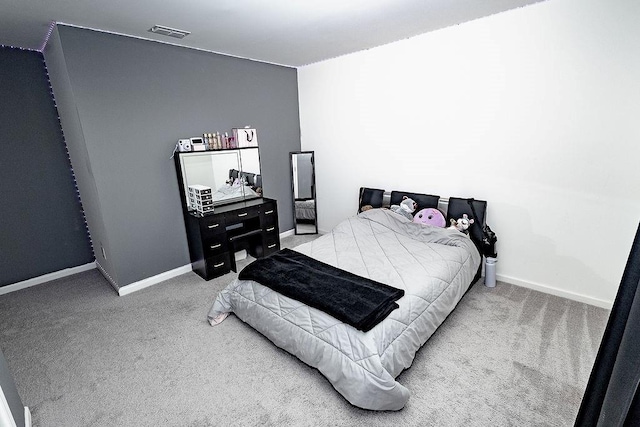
(357, 301)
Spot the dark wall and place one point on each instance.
(134, 99)
(42, 229)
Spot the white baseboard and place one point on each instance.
(287, 233)
(46, 278)
(555, 291)
(6, 417)
(150, 281)
(27, 417)
(292, 232)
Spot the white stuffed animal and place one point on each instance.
(462, 224)
(406, 208)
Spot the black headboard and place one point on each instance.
(459, 206)
(249, 178)
(370, 196)
(456, 207)
(253, 180)
(422, 200)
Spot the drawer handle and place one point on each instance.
(268, 212)
(271, 246)
(243, 214)
(218, 265)
(212, 226)
(216, 246)
(271, 229)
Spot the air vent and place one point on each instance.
(171, 32)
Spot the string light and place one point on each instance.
(47, 36)
(66, 147)
(18, 48)
(109, 278)
(52, 25)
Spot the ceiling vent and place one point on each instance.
(171, 32)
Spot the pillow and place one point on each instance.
(422, 200)
(370, 196)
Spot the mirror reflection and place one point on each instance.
(232, 175)
(304, 192)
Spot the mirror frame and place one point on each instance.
(181, 158)
(313, 193)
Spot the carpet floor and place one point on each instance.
(83, 356)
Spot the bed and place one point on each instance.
(241, 185)
(251, 180)
(233, 191)
(305, 210)
(433, 266)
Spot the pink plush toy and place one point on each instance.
(430, 216)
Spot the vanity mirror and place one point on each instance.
(303, 186)
(226, 218)
(232, 175)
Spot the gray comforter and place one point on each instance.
(434, 267)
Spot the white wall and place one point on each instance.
(536, 110)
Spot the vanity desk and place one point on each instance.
(224, 208)
(250, 225)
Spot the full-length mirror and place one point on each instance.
(303, 185)
(231, 175)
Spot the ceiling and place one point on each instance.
(285, 32)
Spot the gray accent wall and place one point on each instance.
(42, 228)
(77, 148)
(127, 102)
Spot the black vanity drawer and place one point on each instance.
(241, 215)
(271, 244)
(270, 229)
(269, 220)
(215, 245)
(212, 225)
(218, 265)
(269, 212)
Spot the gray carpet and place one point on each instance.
(82, 356)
